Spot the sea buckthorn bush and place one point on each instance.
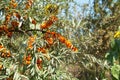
(31, 48)
(59, 40)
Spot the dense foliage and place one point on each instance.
(59, 40)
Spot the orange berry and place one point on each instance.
(50, 41)
(43, 50)
(49, 23)
(30, 47)
(27, 62)
(7, 18)
(39, 61)
(29, 58)
(14, 23)
(1, 66)
(9, 34)
(74, 49)
(62, 39)
(46, 24)
(27, 6)
(54, 34)
(1, 47)
(34, 22)
(68, 44)
(16, 14)
(43, 25)
(8, 54)
(14, 5)
(3, 54)
(53, 18)
(31, 40)
(4, 28)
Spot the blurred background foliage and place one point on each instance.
(90, 27)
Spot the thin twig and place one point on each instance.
(22, 31)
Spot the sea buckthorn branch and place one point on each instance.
(6, 30)
(28, 4)
(12, 17)
(5, 53)
(28, 30)
(13, 4)
(27, 59)
(48, 23)
(15, 24)
(50, 36)
(39, 63)
(11, 26)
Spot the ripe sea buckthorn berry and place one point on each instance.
(7, 18)
(8, 54)
(53, 18)
(46, 24)
(50, 41)
(14, 23)
(29, 58)
(68, 44)
(62, 39)
(33, 21)
(1, 47)
(43, 50)
(31, 40)
(74, 49)
(39, 61)
(27, 62)
(16, 14)
(1, 66)
(3, 55)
